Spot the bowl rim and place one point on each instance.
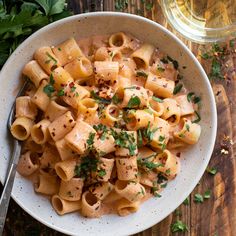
(151, 222)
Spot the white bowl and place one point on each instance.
(194, 160)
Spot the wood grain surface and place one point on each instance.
(215, 216)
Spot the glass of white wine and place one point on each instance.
(202, 20)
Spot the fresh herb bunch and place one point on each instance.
(19, 19)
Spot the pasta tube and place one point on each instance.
(171, 111)
(142, 56)
(66, 169)
(71, 190)
(67, 51)
(189, 132)
(46, 59)
(39, 131)
(35, 73)
(77, 138)
(125, 207)
(91, 205)
(101, 190)
(131, 190)
(61, 126)
(25, 107)
(21, 127)
(186, 107)
(28, 164)
(161, 87)
(127, 168)
(62, 206)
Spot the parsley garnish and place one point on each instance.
(179, 226)
(51, 58)
(157, 99)
(161, 138)
(198, 198)
(206, 56)
(186, 201)
(90, 140)
(140, 138)
(148, 164)
(121, 4)
(148, 133)
(101, 173)
(141, 74)
(177, 88)
(134, 102)
(87, 165)
(99, 99)
(198, 119)
(211, 170)
(207, 194)
(187, 127)
(174, 62)
(125, 140)
(115, 99)
(61, 92)
(189, 96)
(73, 89)
(49, 89)
(161, 69)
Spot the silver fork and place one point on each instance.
(9, 181)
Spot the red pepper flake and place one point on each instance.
(178, 154)
(138, 88)
(71, 85)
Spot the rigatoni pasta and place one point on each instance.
(102, 123)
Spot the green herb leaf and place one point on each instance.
(177, 88)
(196, 99)
(179, 226)
(174, 62)
(161, 69)
(207, 194)
(186, 201)
(90, 140)
(121, 4)
(187, 127)
(189, 96)
(206, 56)
(231, 43)
(216, 70)
(140, 138)
(141, 74)
(211, 170)
(48, 89)
(134, 102)
(198, 119)
(52, 7)
(61, 92)
(101, 173)
(99, 99)
(87, 165)
(115, 99)
(149, 6)
(51, 58)
(157, 99)
(198, 198)
(73, 89)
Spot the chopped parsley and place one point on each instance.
(207, 194)
(134, 102)
(59, 49)
(177, 88)
(161, 138)
(198, 198)
(101, 173)
(140, 138)
(121, 4)
(174, 62)
(141, 74)
(51, 58)
(186, 201)
(115, 99)
(90, 140)
(61, 92)
(87, 165)
(187, 127)
(148, 133)
(125, 140)
(198, 119)
(145, 163)
(179, 226)
(211, 170)
(73, 89)
(99, 99)
(206, 56)
(156, 99)
(49, 89)
(161, 69)
(189, 96)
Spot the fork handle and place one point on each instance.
(6, 194)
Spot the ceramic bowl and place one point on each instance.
(194, 160)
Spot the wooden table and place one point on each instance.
(215, 216)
